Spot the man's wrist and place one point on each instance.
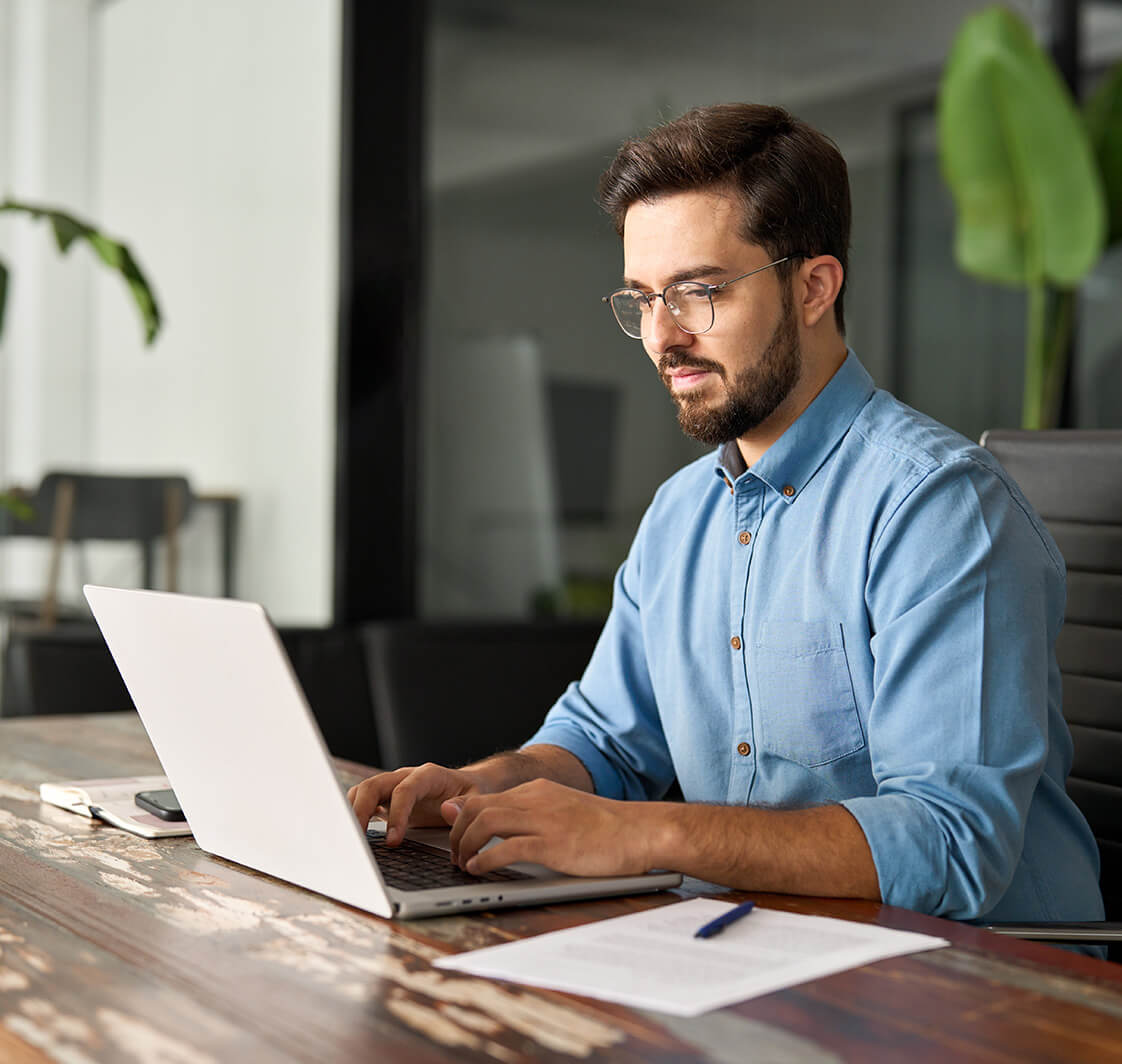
(506, 770)
(500, 772)
(664, 834)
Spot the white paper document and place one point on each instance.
(651, 960)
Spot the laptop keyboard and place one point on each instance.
(414, 866)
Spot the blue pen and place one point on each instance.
(715, 927)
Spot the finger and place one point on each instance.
(493, 822)
(450, 809)
(372, 792)
(507, 852)
(468, 808)
(424, 783)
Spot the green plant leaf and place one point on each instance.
(1018, 161)
(16, 505)
(1103, 113)
(67, 229)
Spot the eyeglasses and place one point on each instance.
(690, 304)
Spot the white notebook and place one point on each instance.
(112, 800)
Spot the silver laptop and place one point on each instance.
(240, 747)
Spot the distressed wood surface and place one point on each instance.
(114, 947)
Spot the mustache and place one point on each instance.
(672, 360)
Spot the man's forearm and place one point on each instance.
(820, 851)
(509, 769)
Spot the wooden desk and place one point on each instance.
(114, 948)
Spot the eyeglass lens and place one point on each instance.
(688, 302)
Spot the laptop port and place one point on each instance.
(441, 904)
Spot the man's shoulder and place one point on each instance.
(894, 434)
(904, 448)
(900, 448)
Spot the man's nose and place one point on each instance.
(662, 329)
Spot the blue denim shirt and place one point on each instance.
(867, 616)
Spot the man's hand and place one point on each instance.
(819, 851)
(568, 830)
(410, 797)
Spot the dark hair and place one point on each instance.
(791, 179)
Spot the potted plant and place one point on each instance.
(67, 230)
(1037, 185)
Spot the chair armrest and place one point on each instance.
(1086, 933)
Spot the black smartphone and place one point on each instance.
(163, 804)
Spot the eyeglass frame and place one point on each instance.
(650, 297)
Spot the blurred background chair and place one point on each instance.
(455, 691)
(68, 669)
(331, 667)
(75, 507)
(1074, 481)
(63, 669)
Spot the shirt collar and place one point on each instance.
(789, 463)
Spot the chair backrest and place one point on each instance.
(79, 506)
(453, 692)
(1073, 479)
(67, 669)
(115, 507)
(331, 666)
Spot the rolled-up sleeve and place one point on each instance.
(965, 599)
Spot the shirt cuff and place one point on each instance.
(909, 852)
(605, 778)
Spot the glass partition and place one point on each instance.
(544, 430)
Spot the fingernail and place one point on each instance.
(471, 866)
(393, 834)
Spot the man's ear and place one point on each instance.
(819, 282)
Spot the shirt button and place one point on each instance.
(745, 538)
(735, 642)
(743, 749)
(788, 490)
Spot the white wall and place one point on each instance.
(46, 80)
(206, 136)
(219, 157)
(46, 106)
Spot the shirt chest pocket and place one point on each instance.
(802, 694)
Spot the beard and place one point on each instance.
(751, 397)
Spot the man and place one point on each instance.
(836, 633)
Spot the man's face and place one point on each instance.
(729, 380)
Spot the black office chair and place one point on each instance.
(330, 664)
(453, 692)
(1074, 481)
(75, 507)
(63, 669)
(68, 669)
